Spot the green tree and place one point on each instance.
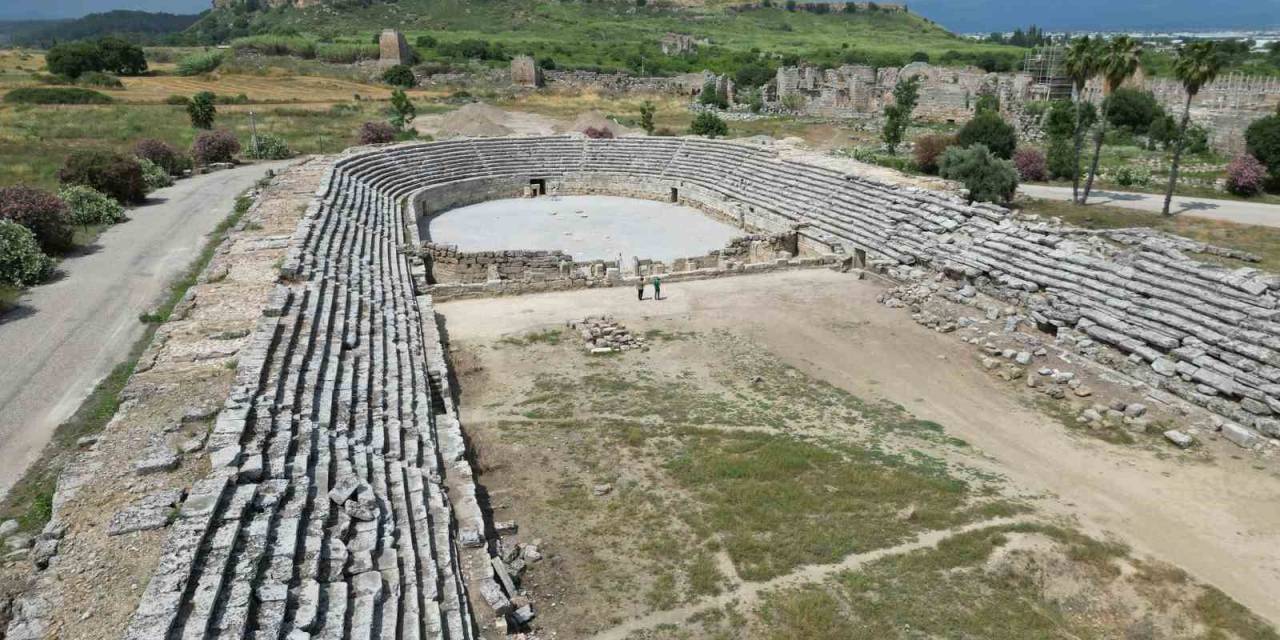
(990, 130)
(399, 75)
(708, 94)
(73, 58)
(897, 116)
(1132, 109)
(987, 102)
(402, 110)
(1262, 140)
(1197, 65)
(1082, 62)
(122, 57)
(201, 110)
(647, 111)
(1120, 60)
(709, 124)
(987, 177)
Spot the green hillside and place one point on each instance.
(614, 36)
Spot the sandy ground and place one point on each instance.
(1218, 520)
(585, 227)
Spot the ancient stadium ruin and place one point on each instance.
(341, 500)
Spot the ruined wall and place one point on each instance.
(448, 265)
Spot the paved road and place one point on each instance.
(1257, 213)
(67, 335)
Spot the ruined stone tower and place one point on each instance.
(525, 72)
(393, 49)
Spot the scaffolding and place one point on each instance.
(1049, 80)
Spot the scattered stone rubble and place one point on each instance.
(603, 334)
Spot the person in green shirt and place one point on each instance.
(657, 288)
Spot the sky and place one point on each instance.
(956, 15)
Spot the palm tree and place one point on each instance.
(1197, 65)
(1081, 64)
(1120, 60)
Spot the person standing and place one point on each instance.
(640, 288)
(657, 288)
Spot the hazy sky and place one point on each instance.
(77, 8)
(957, 15)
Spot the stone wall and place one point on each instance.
(447, 265)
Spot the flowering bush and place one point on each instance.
(1030, 164)
(40, 212)
(114, 174)
(21, 262)
(163, 154)
(90, 206)
(377, 133)
(154, 175)
(1246, 176)
(215, 146)
(592, 132)
(271, 147)
(928, 148)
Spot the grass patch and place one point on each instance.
(1263, 242)
(30, 500)
(548, 337)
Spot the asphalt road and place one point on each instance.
(67, 335)
(1256, 213)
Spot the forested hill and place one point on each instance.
(134, 25)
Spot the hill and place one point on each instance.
(625, 36)
(133, 25)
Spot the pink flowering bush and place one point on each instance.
(1246, 176)
(1031, 165)
(377, 133)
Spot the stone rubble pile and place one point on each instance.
(603, 334)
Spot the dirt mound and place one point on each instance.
(474, 120)
(597, 120)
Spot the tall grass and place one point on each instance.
(276, 45)
(346, 53)
(200, 63)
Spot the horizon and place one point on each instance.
(957, 16)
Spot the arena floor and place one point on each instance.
(585, 227)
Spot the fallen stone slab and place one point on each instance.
(150, 512)
(1182, 440)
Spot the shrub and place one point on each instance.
(377, 133)
(987, 102)
(990, 130)
(201, 110)
(425, 42)
(987, 177)
(39, 211)
(21, 261)
(1061, 158)
(99, 79)
(1132, 109)
(1130, 177)
(214, 146)
(90, 206)
(708, 124)
(928, 148)
(154, 175)
(271, 147)
(1262, 141)
(595, 134)
(162, 154)
(1246, 176)
(399, 76)
(402, 110)
(1030, 164)
(55, 95)
(176, 100)
(276, 45)
(114, 174)
(200, 63)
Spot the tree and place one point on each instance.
(21, 262)
(201, 110)
(121, 57)
(1082, 62)
(1262, 141)
(987, 102)
(1197, 65)
(709, 124)
(708, 94)
(647, 111)
(990, 130)
(1060, 129)
(73, 59)
(897, 116)
(1120, 60)
(399, 75)
(402, 110)
(988, 178)
(1132, 109)
(929, 148)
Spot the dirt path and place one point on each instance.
(1220, 521)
